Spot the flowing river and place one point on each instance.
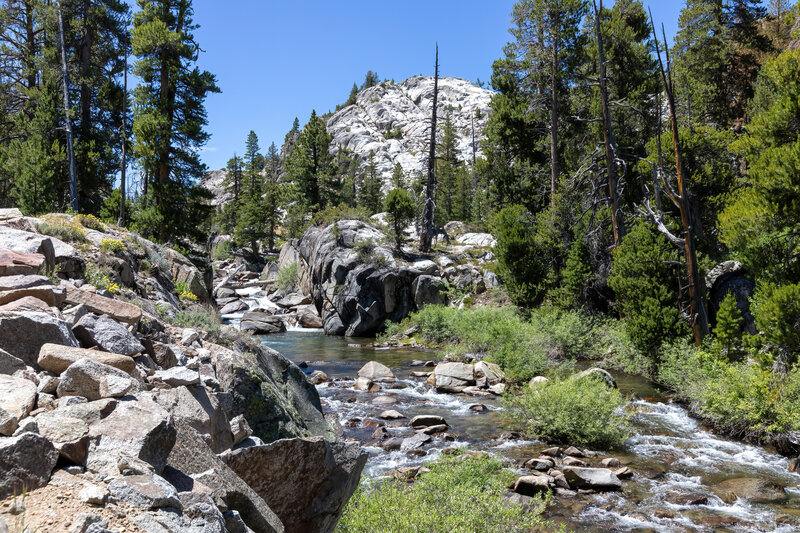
(685, 477)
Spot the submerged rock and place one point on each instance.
(591, 478)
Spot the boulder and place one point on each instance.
(56, 358)
(26, 303)
(101, 305)
(94, 380)
(488, 374)
(191, 464)
(10, 364)
(413, 443)
(391, 414)
(148, 491)
(26, 463)
(106, 334)
(233, 307)
(538, 382)
(598, 373)
(318, 376)
(69, 435)
(428, 290)
(420, 421)
(591, 478)
(308, 317)
(452, 377)
(306, 482)
(262, 323)
(184, 271)
(17, 399)
(293, 300)
(531, 485)
(22, 334)
(201, 410)
(56, 253)
(366, 385)
(189, 336)
(754, 490)
(240, 429)
(376, 372)
(137, 428)
(477, 239)
(272, 393)
(13, 288)
(177, 376)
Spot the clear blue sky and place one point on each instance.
(278, 60)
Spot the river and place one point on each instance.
(679, 466)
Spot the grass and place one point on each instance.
(100, 280)
(459, 495)
(571, 411)
(62, 229)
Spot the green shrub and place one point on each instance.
(99, 279)
(62, 230)
(111, 246)
(572, 411)
(91, 222)
(200, 318)
(777, 314)
(400, 209)
(728, 331)
(458, 495)
(332, 214)
(287, 276)
(222, 251)
(145, 266)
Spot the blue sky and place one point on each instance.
(278, 60)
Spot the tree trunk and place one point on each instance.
(608, 136)
(428, 230)
(86, 93)
(124, 159)
(554, 111)
(30, 45)
(73, 180)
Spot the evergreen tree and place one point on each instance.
(447, 167)
(371, 79)
(400, 210)
(370, 196)
(728, 331)
(310, 166)
(272, 194)
(398, 176)
(169, 115)
(351, 99)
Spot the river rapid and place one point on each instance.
(686, 478)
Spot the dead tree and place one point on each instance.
(608, 134)
(73, 178)
(697, 309)
(124, 160)
(429, 210)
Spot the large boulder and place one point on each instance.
(145, 491)
(10, 364)
(201, 410)
(306, 482)
(57, 253)
(26, 463)
(137, 428)
(730, 277)
(273, 394)
(101, 305)
(754, 490)
(191, 465)
(452, 377)
(591, 478)
(184, 271)
(428, 290)
(488, 374)
(22, 334)
(603, 376)
(69, 434)
(375, 371)
(107, 334)
(262, 323)
(56, 358)
(93, 380)
(17, 398)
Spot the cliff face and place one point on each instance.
(392, 121)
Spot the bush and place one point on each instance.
(95, 277)
(332, 214)
(62, 228)
(571, 411)
(111, 246)
(91, 222)
(458, 495)
(199, 318)
(184, 292)
(222, 251)
(287, 276)
(777, 315)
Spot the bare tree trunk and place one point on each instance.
(474, 156)
(608, 135)
(73, 179)
(428, 230)
(124, 163)
(554, 112)
(699, 317)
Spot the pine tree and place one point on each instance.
(272, 195)
(371, 79)
(728, 332)
(400, 210)
(398, 176)
(310, 165)
(169, 115)
(370, 196)
(447, 167)
(351, 99)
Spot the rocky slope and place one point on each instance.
(404, 109)
(114, 417)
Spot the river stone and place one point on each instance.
(610, 462)
(365, 384)
(452, 377)
(488, 374)
(591, 478)
(56, 358)
(106, 334)
(138, 428)
(94, 380)
(542, 464)
(145, 492)
(531, 485)
(598, 373)
(69, 435)
(262, 323)
(572, 461)
(177, 376)
(26, 462)
(306, 482)
(101, 305)
(22, 334)
(17, 399)
(15, 263)
(754, 490)
(376, 371)
(308, 317)
(537, 382)
(417, 441)
(318, 376)
(391, 414)
(233, 307)
(192, 466)
(427, 420)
